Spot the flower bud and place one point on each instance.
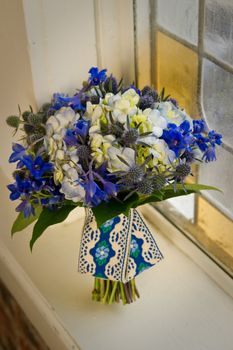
(13, 121)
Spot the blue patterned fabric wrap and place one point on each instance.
(119, 250)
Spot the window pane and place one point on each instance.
(219, 29)
(214, 232)
(177, 72)
(219, 174)
(217, 95)
(179, 17)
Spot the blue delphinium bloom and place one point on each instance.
(62, 100)
(26, 207)
(201, 141)
(21, 186)
(37, 166)
(206, 141)
(110, 188)
(96, 76)
(94, 195)
(214, 138)
(178, 138)
(18, 153)
(209, 154)
(82, 128)
(199, 126)
(74, 136)
(70, 138)
(76, 103)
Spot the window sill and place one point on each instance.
(180, 304)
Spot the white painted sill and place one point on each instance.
(181, 307)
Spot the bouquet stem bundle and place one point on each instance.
(109, 292)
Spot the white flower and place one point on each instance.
(173, 114)
(100, 145)
(93, 112)
(158, 122)
(131, 96)
(121, 105)
(72, 186)
(63, 118)
(96, 141)
(60, 154)
(161, 152)
(114, 162)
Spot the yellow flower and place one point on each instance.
(58, 175)
(96, 141)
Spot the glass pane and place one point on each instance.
(219, 174)
(214, 232)
(219, 29)
(177, 72)
(217, 95)
(179, 17)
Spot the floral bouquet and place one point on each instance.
(109, 148)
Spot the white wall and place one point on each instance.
(67, 37)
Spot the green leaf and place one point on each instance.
(106, 211)
(155, 197)
(109, 210)
(168, 192)
(191, 187)
(21, 222)
(48, 218)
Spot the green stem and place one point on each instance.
(102, 288)
(112, 296)
(105, 298)
(127, 295)
(132, 282)
(96, 291)
(108, 291)
(122, 293)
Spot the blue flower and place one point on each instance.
(206, 141)
(110, 188)
(76, 103)
(178, 138)
(94, 195)
(214, 138)
(209, 154)
(96, 76)
(201, 141)
(20, 187)
(18, 153)
(37, 166)
(82, 128)
(70, 138)
(199, 126)
(26, 207)
(60, 100)
(102, 252)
